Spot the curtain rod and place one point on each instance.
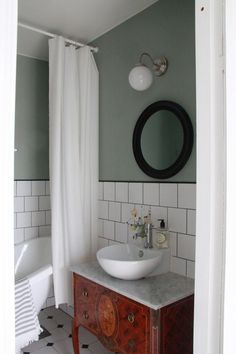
(49, 34)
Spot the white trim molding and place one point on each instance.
(211, 138)
(230, 265)
(8, 40)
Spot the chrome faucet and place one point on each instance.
(146, 233)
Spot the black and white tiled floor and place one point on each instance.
(58, 324)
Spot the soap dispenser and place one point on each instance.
(162, 235)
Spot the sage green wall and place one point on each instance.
(165, 28)
(31, 119)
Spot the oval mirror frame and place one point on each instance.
(186, 150)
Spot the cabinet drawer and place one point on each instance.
(134, 330)
(85, 290)
(123, 324)
(86, 314)
(85, 293)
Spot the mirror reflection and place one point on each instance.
(162, 139)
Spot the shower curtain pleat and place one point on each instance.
(73, 155)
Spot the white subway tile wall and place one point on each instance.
(18, 204)
(23, 188)
(173, 243)
(103, 209)
(177, 220)
(178, 265)
(121, 232)
(23, 220)
(151, 193)
(136, 193)
(190, 269)
(32, 210)
(191, 222)
(158, 212)
(114, 211)
(47, 187)
(168, 194)
(122, 192)
(175, 202)
(109, 191)
(125, 211)
(19, 235)
(109, 230)
(102, 242)
(187, 196)
(38, 187)
(31, 203)
(32, 215)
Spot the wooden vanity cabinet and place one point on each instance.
(126, 326)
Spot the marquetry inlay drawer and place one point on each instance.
(134, 322)
(86, 314)
(85, 290)
(85, 293)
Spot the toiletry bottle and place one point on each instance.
(162, 235)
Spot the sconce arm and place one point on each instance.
(160, 65)
(145, 54)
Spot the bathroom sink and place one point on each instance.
(128, 261)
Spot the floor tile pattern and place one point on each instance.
(44, 334)
(59, 338)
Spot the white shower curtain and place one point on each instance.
(73, 142)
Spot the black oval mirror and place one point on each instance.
(162, 139)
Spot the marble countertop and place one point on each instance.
(154, 292)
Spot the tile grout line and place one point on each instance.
(156, 205)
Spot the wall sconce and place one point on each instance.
(141, 77)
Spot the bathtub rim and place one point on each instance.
(31, 240)
(42, 271)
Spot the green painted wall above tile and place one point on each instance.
(31, 119)
(165, 28)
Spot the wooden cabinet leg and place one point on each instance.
(75, 337)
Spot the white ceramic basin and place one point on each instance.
(127, 261)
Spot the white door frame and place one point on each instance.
(8, 39)
(230, 265)
(210, 228)
(213, 329)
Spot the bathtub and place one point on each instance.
(33, 260)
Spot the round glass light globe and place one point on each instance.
(140, 78)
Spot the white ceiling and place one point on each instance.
(82, 20)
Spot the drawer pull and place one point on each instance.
(85, 293)
(85, 315)
(131, 344)
(131, 317)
